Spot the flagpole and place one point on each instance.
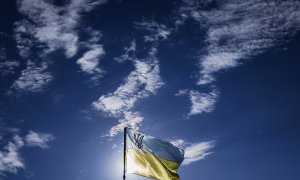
(124, 156)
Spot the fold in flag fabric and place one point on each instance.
(151, 157)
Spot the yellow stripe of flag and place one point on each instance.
(148, 165)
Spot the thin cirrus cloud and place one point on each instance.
(194, 151)
(10, 160)
(10, 157)
(154, 30)
(38, 139)
(238, 30)
(200, 102)
(128, 53)
(7, 66)
(33, 79)
(140, 83)
(90, 60)
(53, 26)
(47, 28)
(235, 30)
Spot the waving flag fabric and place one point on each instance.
(151, 157)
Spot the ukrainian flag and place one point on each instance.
(151, 157)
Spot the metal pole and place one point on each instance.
(124, 156)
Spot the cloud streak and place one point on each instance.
(10, 160)
(33, 79)
(48, 28)
(7, 66)
(238, 30)
(235, 30)
(90, 60)
(154, 31)
(142, 82)
(128, 53)
(10, 157)
(202, 102)
(38, 139)
(194, 152)
(55, 27)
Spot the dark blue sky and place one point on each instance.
(219, 79)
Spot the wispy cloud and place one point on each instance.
(54, 26)
(139, 84)
(142, 82)
(130, 119)
(238, 30)
(10, 157)
(47, 28)
(154, 31)
(200, 102)
(10, 160)
(194, 151)
(7, 66)
(182, 92)
(128, 53)
(90, 60)
(23, 37)
(33, 79)
(38, 139)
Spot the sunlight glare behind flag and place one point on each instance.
(151, 157)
